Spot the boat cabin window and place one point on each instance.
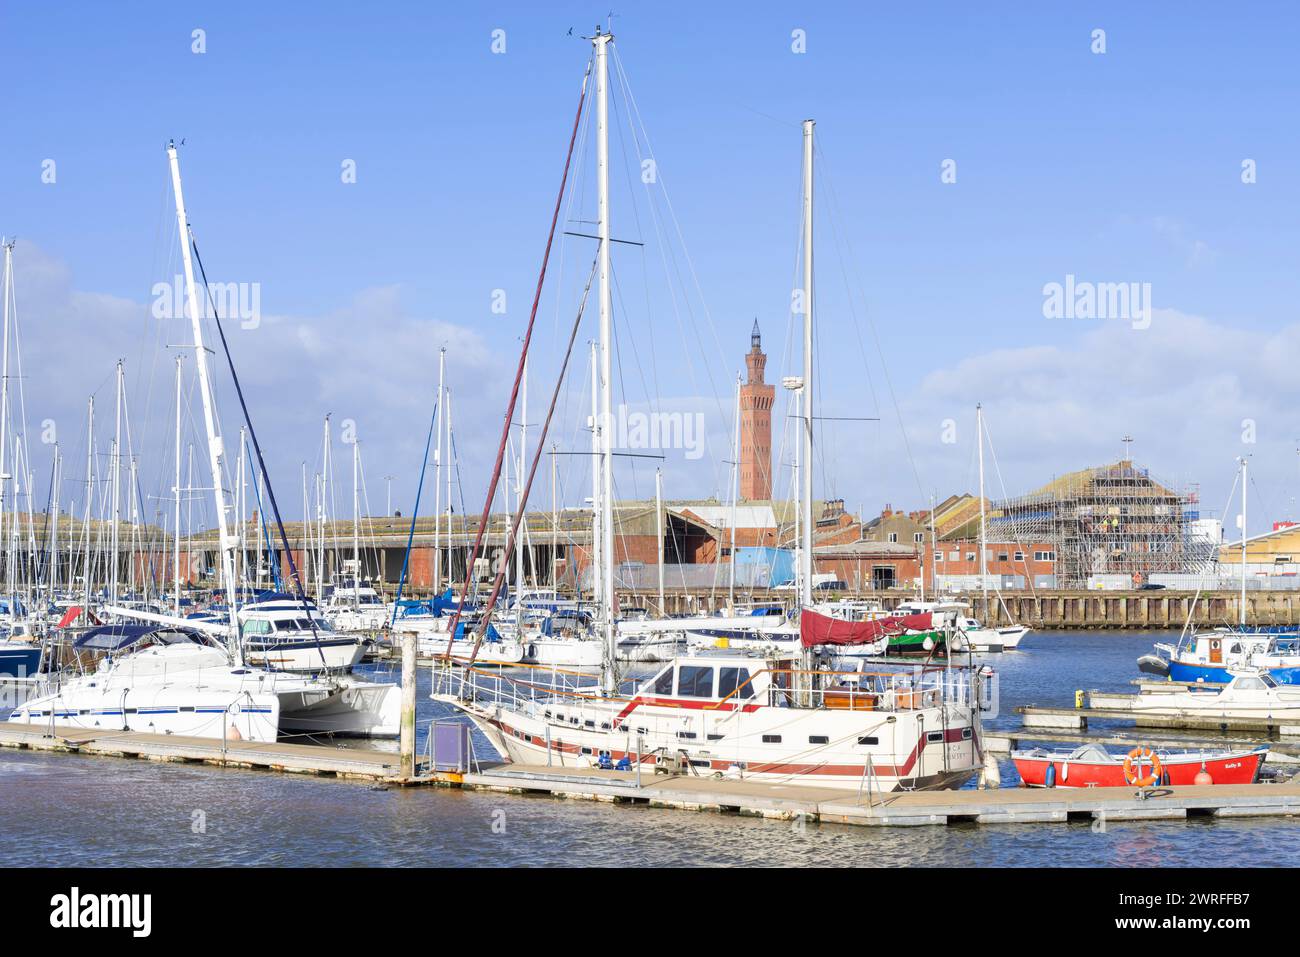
(664, 683)
(1267, 681)
(1251, 684)
(729, 679)
(256, 626)
(695, 681)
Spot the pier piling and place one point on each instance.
(408, 706)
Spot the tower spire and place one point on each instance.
(756, 398)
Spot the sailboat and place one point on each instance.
(729, 714)
(970, 634)
(169, 677)
(1211, 656)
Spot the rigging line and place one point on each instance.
(664, 249)
(523, 359)
(522, 503)
(415, 513)
(257, 447)
(1029, 578)
(871, 325)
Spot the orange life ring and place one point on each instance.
(1131, 773)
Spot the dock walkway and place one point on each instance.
(722, 795)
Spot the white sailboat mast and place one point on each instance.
(4, 389)
(521, 547)
(176, 490)
(659, 528)
(597, 579)
(90, 498)
(601, 43)
(984, 548)
(806, 460)
(735, 496)
(116, 460)
(356, 523)
(1242, 611)
(440, 414)
(216, 448)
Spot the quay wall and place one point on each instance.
(1052, 610)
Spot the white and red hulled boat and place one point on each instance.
(742, 716)
(1093, 766)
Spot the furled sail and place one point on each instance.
(817, 629)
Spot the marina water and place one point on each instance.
(66, 810)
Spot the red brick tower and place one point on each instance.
(756, 399)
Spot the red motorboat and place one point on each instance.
(1094, 766)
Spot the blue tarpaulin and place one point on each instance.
(771, 566)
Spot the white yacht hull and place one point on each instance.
(175, 709)
(330, 654)
(578, 653)
(910, 760)
(989, 639)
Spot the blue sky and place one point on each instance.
(1115, 167)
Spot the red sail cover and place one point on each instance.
(817, 629)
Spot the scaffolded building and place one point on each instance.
(1114, 520)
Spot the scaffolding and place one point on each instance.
(1114, 520)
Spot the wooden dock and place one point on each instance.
(795, 802)
(902, 809)
(1076, 719)
(360, 763)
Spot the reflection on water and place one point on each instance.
(71, 810)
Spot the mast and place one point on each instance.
(90, 497)
(437, 481)
(116, 463)
(519, 491)
(324, 511)
(659, 525)
(601, 42)
(4, 394)
(451, 462)
(1242, 611)
(555, 521)
(735, 495)
(806, 460)
(983, 563)
(176, 552)
(54, 526)
(241, 496)
(597, 579)
(216, 447)
(356, 524)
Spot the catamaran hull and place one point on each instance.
(196, 713)
(348, 709)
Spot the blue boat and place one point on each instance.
(1209, 657)
(19, 659)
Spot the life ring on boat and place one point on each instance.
(1131, 773)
